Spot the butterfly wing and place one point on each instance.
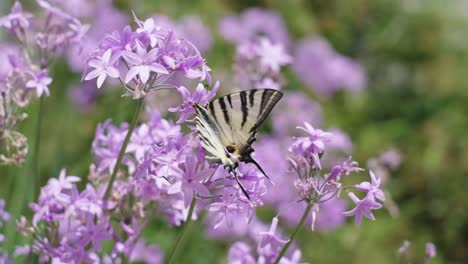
(240, 114)
(210, 136)
(237, 116)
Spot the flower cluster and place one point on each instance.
(294, 108)
(316, 189)
(325, 70)
(190, 28)
(262, 246)
(386, 162)
(254, 23)
(105, 19)
(71, 226)
(154, 167)
(258, 64)
(143, 59)
(24, 74)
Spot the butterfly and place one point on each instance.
(227, 127)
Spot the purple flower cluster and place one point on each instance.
(143, 59)
(383, 165)
(258, 64)
(316, 189)
(262, 246)
(39, 40)
(162, 171)
(190, 28)
(70, 226)
(325, 70)
(252, 24)
(105, 19)
(293, 109)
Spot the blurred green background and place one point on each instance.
(423, 113)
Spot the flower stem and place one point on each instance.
(124, 147)
(173, 254)
(35, 177)
(294, 233)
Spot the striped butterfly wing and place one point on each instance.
(236, 117)
(210, 136)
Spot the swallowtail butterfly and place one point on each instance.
(227, 127)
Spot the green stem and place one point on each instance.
(124, 147)
(35, 177)
(294, 233)
(24, 185)
(174, 250)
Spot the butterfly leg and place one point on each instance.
(232, 169)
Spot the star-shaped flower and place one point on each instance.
(372, 188)
(40, 82)
(363, 208)
(270, 238)
(272, 56)
(103, 67)
(143, 63)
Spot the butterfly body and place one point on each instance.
(227, 126)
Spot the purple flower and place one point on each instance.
(271, 153)
(404, 248)
(106, 145)
(329, 216)
(254, 23)
(4, 216)
(40, 82)
(258, 64)
(225, 208)
(190, 28)
(332, 71)
(344, 169)
(191, 183)
(311, 146)
(83, 95)
(151, 55)
(199, 96)
(68, 225)
(270, 238)
(431, 252)
(240, 253)
(143, 63)
(363, 208)
(391, 158)
(147, 253)
(272, 56)
(103, 67)
(104, 18)
(17, 21)
(372, 188)
(294, 108)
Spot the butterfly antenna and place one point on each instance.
(249, 159)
